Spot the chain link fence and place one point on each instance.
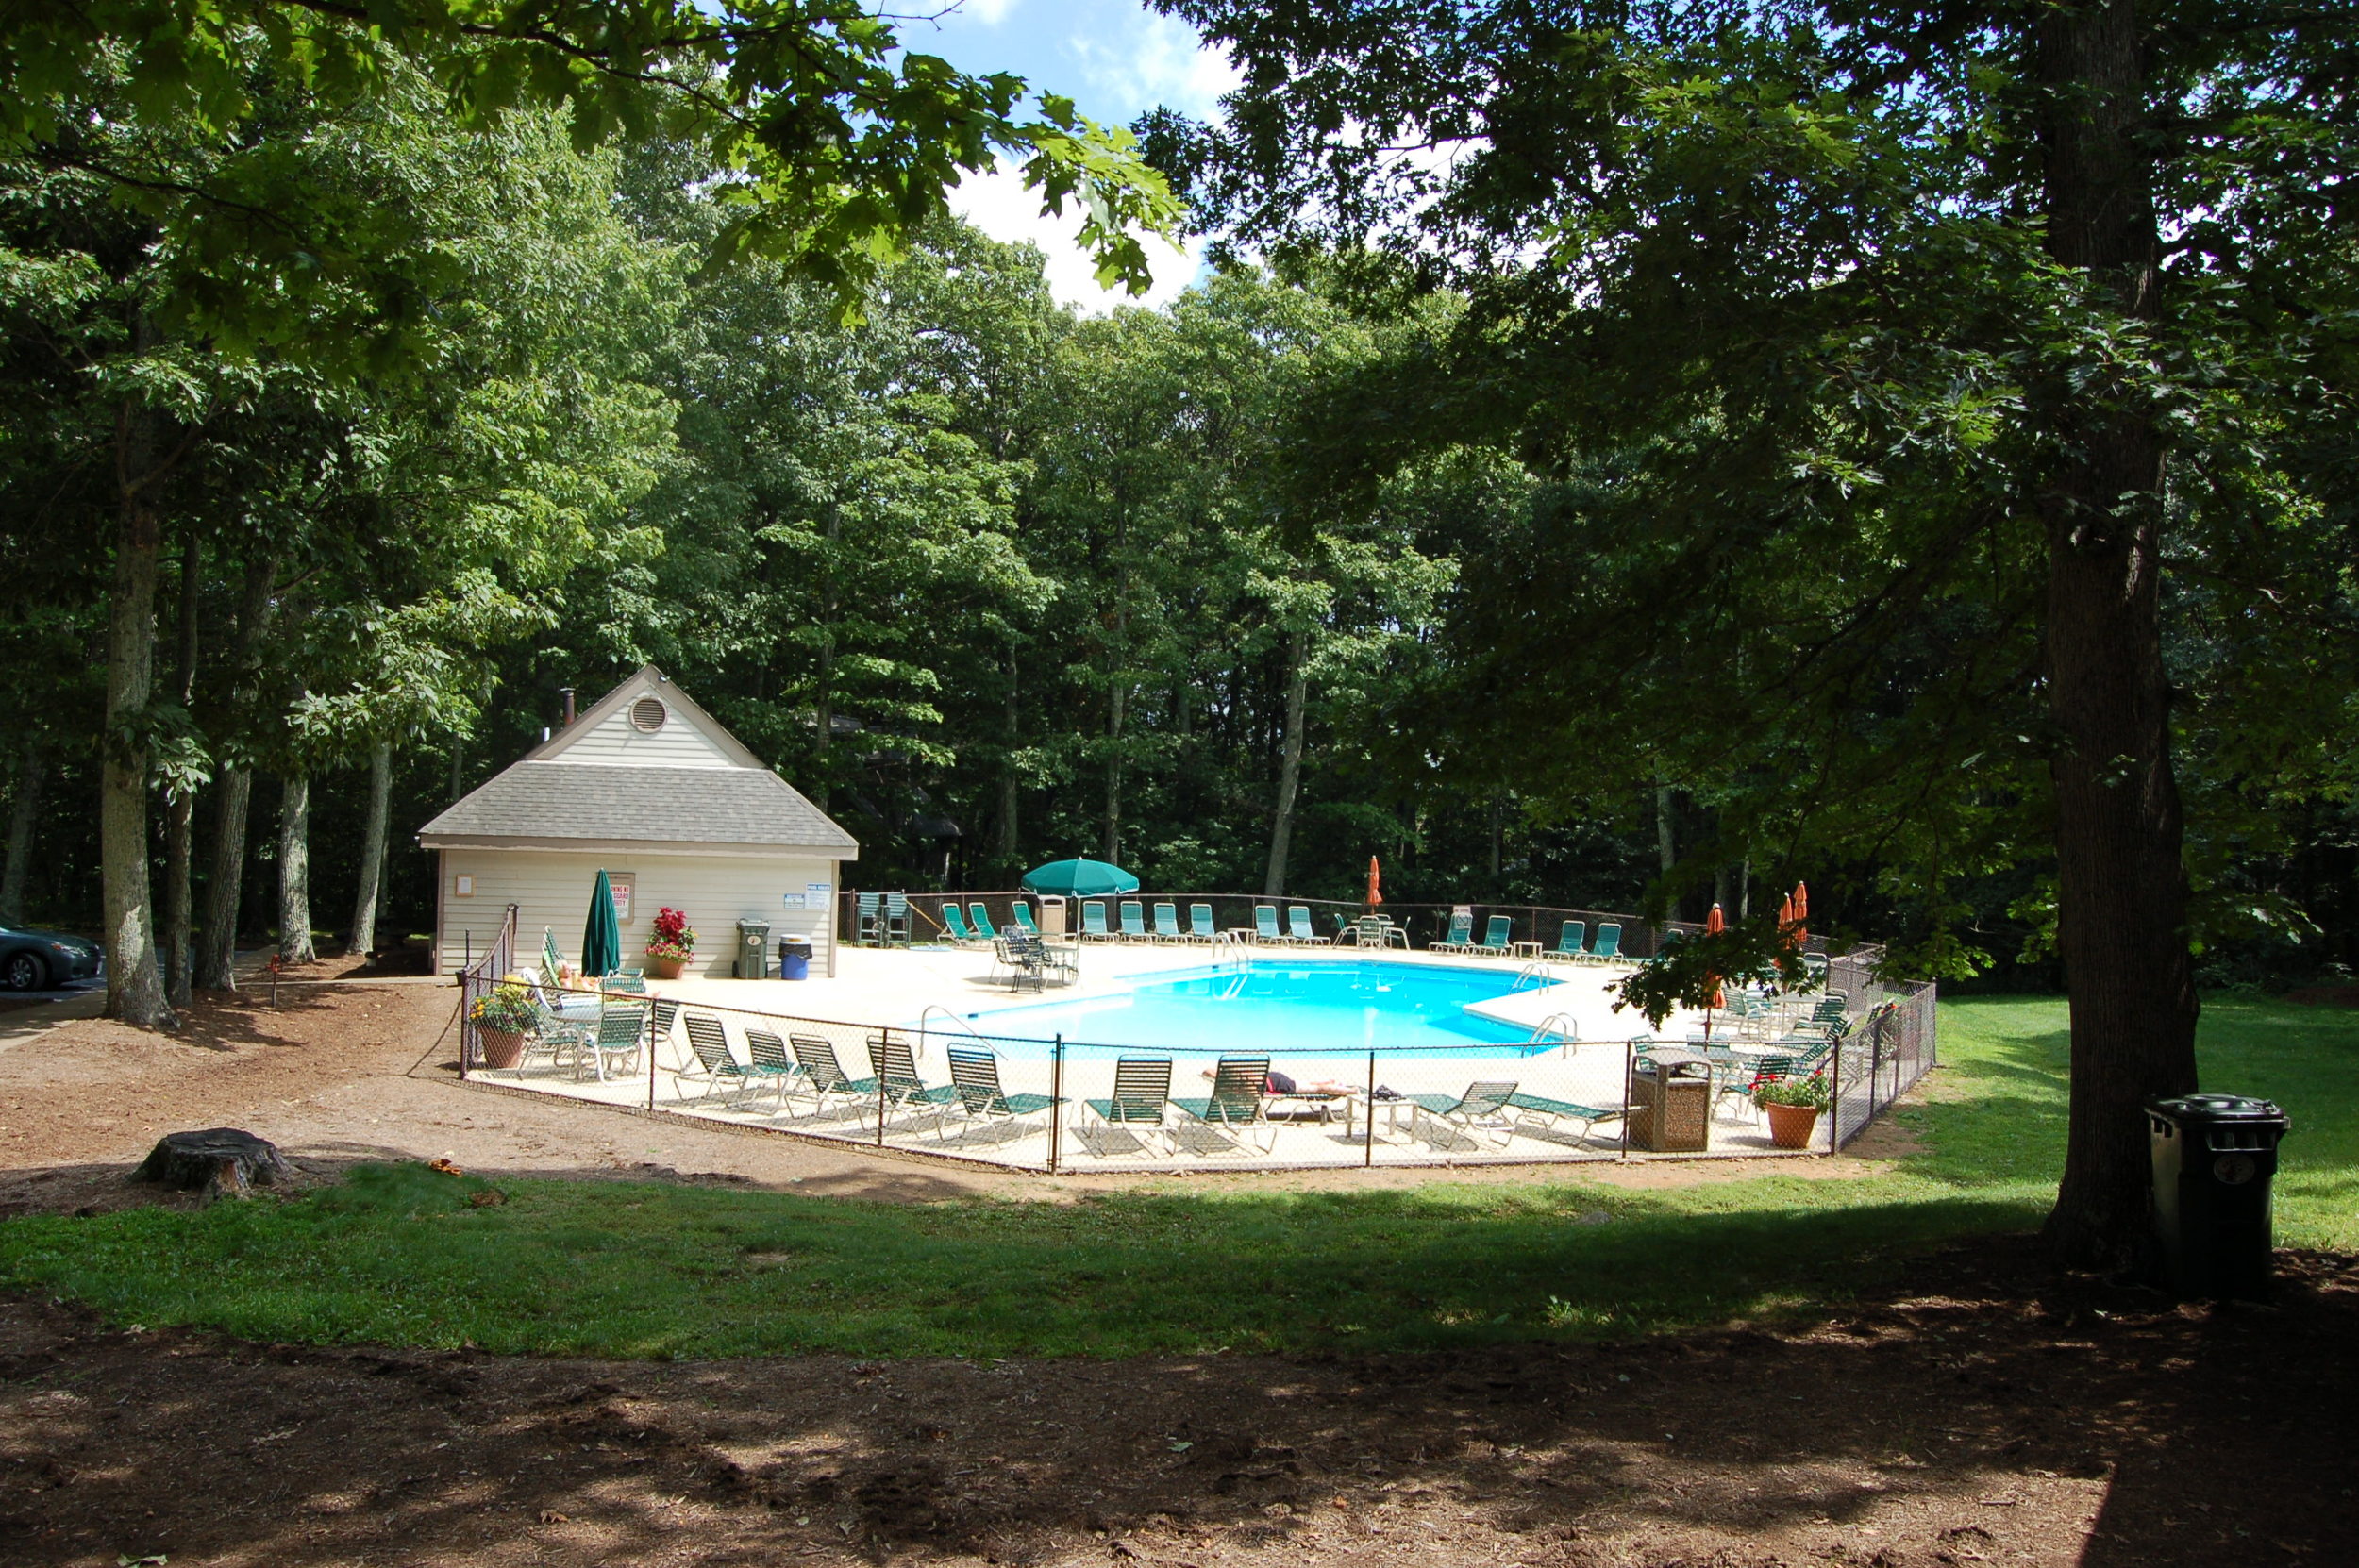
(477, 978)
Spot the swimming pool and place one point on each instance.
(1329, 1007)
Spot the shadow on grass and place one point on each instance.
(399, 1254)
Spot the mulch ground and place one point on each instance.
(1988, 1412)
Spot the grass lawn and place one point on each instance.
(403, 1255)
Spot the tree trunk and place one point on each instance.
(1667, 848)
(224, 886)
(217, 945)
(180, 806)
(1289, 765)
(1115, 704)
(294, 871)
(32, 770)
(135, 987)
(372, 847)
(2121, 878)
(1011, 821)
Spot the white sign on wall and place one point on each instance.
(622, 882)
(818, 895)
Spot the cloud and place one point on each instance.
(988, 12)
(998, 204)
(1150, 59)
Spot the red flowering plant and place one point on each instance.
(671, 938)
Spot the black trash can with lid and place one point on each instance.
(2213, 1157)
(753, 950)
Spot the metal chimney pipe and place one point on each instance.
(567, 693)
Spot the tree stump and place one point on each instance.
(219, 1162)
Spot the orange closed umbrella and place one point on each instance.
(1714, 924)
(1785, 920)
(1801, 913)
(1375, 897)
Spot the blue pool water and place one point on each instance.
(1324, 1008)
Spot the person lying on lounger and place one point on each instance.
(1279, 1083)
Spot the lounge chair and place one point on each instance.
(1461, 935)
(551, 959)
(1200, 926)
(954, 926)
(1608, 947)
(896, 919)
(1022, 913)
(822, 1076)
(1265, 927)
(1093, 922)
(1481, 1112)
(1133, 921)
(1569, 943)
(979, 917)
(1298, 927)
(975, 1091)
(869, 929)
(893, 1082)
(771, 1065)
(714, 1066)
(1538, 1115)
(1167, 924)
(1142, 1089)
(1239, 1098)
(1494, 937)
(661, 1018)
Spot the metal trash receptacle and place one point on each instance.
(753, 950)
(794, 959)
(2214, 1158)
(1671, 1106)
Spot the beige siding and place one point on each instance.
(552, 890)
(613, 738)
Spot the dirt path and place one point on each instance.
(1947, 1423)
(340, 1072)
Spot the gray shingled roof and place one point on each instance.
(610, 802)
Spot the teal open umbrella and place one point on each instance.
(602, 936)
(1079, 879)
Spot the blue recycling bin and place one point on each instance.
(793, 960)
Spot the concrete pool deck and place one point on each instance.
(876, 988)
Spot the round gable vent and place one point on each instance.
(647, 715)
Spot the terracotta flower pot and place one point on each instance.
(502, 1050)
(664, 969)
(1790, 1125)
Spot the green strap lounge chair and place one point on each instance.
(869, 929)
(1133, 921)
(893, 1083)
(716, 1068)
(1167, 924)
(980, 918)
(1569, 947)
(1093, 922)
(1298, 927)
(1461, 935)
(975, 1093)
(1237, 1105)
(1494, 938)
(1022, 913)
(954, 926)
(661, 1018)
(1607, 948)
(772, 1067)
(1200, 926)
(551, 959)
(1538, 1114)
(1481, 1113)
(824, 1079)
(1142, 1090)
(1265, 927)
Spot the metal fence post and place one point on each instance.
(1056, 1101)
(1629, 1090)
(1835, 1098)
(1367, 1134)
(875, 1065)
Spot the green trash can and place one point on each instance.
(753, 950)
(2213, 1157)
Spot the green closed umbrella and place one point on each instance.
(1079, 879)
(602, 937)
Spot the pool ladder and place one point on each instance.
(1559, 1026)
(932, 1008)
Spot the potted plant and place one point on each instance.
(502, 1019)
(671, 946)
(1793, 1106)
